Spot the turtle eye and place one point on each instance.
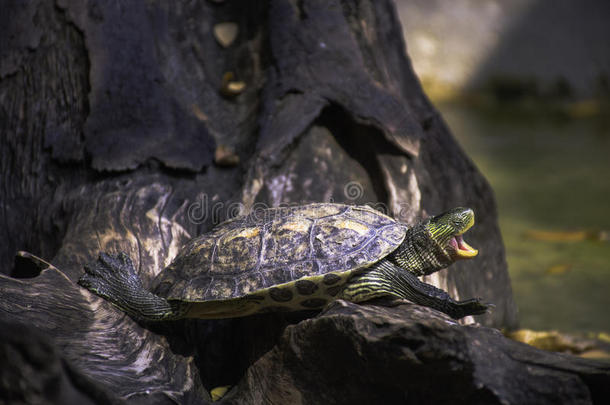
(457, 223)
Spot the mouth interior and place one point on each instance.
(461, 248)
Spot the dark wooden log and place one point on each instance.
(110, 117)
(118, 358)
(411, 354)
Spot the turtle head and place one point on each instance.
(436, 242)
(446, 231)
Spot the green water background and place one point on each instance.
(548, 173)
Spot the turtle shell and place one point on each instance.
(304, 246)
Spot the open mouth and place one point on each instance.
(461, 249)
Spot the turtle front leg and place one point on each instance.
(114, 278)
(385, 278)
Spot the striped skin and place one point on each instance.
(425, 249)
(386, 279)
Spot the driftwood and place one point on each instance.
(118, 132)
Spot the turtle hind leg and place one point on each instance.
(114, 278)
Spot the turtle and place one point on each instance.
(294, 258)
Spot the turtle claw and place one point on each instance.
(121, 262)
(125, 260)
(106, 270)
(473, 306)
(114, 278)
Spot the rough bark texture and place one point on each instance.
(110, 113)
(412, 354)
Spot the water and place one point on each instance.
(550, 175)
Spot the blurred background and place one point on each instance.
(524, 86)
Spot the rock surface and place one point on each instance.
(59, 335)
(353, 354)
(34, 372)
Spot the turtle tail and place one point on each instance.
(114, 278)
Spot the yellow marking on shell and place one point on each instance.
(300, 225)
(354, 226)
(249, 285)
(226, 292)
(203, 244)
(319, 211)
(245, 233)
(367, 215)
(301, 251)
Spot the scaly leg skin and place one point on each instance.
(385, 278)
(114, 278)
